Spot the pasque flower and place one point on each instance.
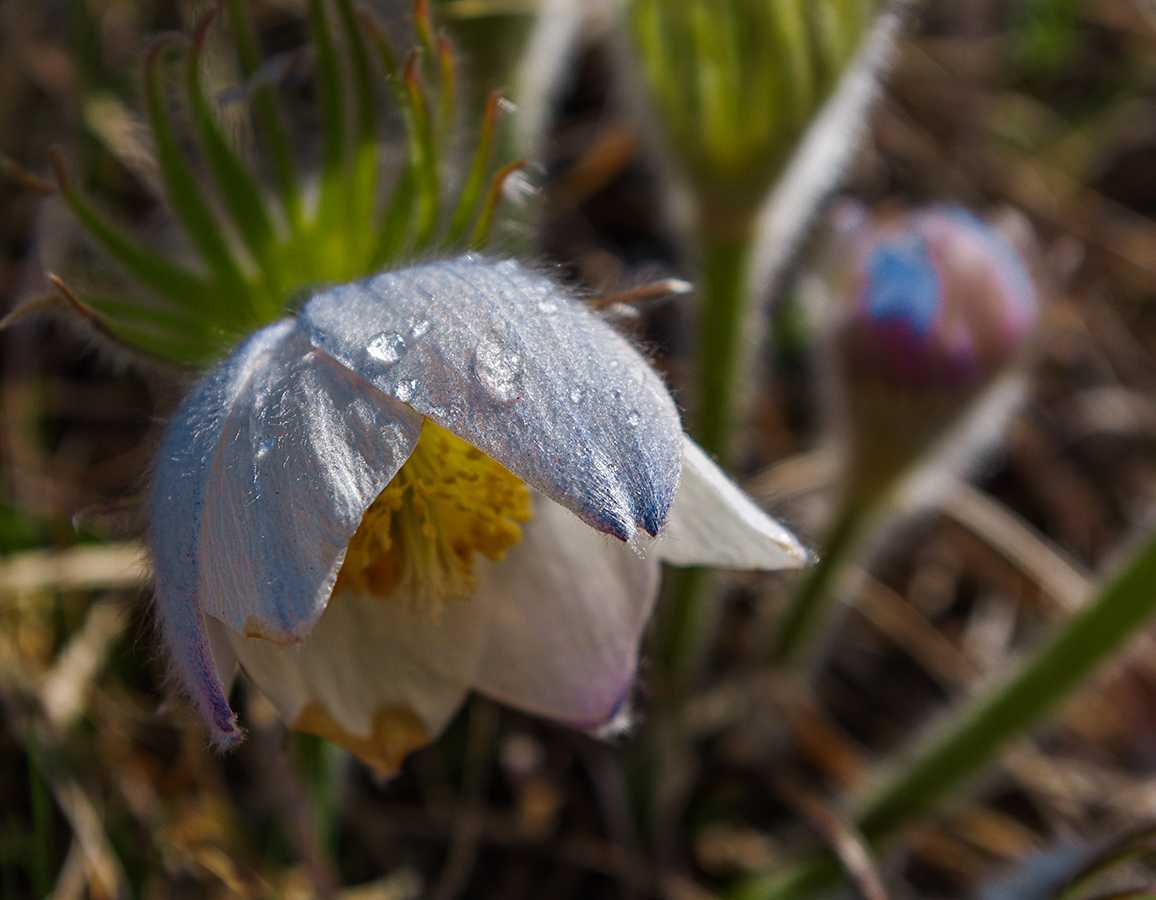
(932, 312)
(447, 477)
(941, 307)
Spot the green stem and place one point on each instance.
(687, 624)
(813, 593)
(722, 303)
(691, 610)
(972, 736)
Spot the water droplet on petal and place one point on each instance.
(634, 417)
(405, 390)
(420, 328)
(499, 370)
(264, 449)
(576, 395)
(387, 347)
(547, 306)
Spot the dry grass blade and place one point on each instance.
(86, 568)
(65, 692)
(840, 834)
(1059, 577)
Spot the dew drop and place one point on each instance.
(405, 390)
(499, 370)
(420, 328)
(264, 449)
(547, 306)
(387, 347)
(576, 395)
(633, 418)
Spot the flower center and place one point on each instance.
(447, 502)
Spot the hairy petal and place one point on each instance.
(713, 523)
(504, 358)
(305, 450)
(566, 609)
(260, 482)
(178, 512)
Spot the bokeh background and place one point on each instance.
(107, 789)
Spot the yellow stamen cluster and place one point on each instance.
(447, 502)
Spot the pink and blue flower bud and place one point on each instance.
(938, 305)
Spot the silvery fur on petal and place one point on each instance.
(505, 359)
(566, 608)
(306, 449)
(178, 515)
(713, 523)
(274, 431)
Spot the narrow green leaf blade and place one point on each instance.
(472, 190)
(269, 117)
(486, 216)
(331, 200)
(165, 277)
(240, 191)
(423, 154)
(363, 174)
(182, 185)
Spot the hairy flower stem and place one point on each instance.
(969, 739)
(812, 595)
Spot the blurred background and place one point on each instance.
(1037, 114)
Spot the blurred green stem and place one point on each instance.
(972, 736)
(722, 287)
(687, 618)
(692, 600)
(813, 593)
(690, 608)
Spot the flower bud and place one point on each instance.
(733, 86)
(939, 305)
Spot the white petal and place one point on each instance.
(713, 523)
(368, 658)
(507, 360)
(567, 608)
(280, 456)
